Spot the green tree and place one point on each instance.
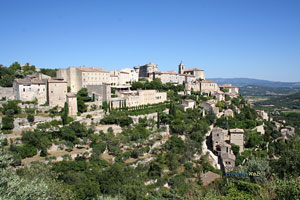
(82, 97)
(64, 115)
(11, 108)
(7, 123)
(30, 118)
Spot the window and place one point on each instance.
(23, 89)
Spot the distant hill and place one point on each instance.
(255, 90)
(291, 101)
(240, 82)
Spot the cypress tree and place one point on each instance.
(65, 113)
(158, 120)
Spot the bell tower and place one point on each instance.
(181, 68)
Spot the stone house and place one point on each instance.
(237, 138)
(232, 90)
(228, 113)
(29, 89)
(57, 92)
(187, 103)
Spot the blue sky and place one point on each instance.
(227, 38)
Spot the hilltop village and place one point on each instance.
(172, 127)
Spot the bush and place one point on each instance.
(30, 118)
(26, 150)
(11, 108)
(88, 116)
(8, 123)
(44, 152)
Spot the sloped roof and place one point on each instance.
(207, 81)
(192, 69)
(29, 81)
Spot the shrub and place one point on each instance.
(30, 118)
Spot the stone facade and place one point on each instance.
(228, 113)
(220, 146)
(139, 97)
(172, 77)
(232, 90)
(220, 96)
(263, 114)
(123, 77)
(132, 75)
(147, 69)
(207, 86)
(219, 136)
(237, 138)
(80, 77)
(197, 73)
(72, 104)
(101, 93)
(57, 91)
(30, 89)
(188, 103)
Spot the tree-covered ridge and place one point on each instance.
(16, 70)
(254, 90)
(282, 102)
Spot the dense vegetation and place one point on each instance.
(137, 164)
(282, 102)
(15, 70)
(254, 90)
(156, 85)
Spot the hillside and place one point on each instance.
(240, 82)
(255, 90)
(283, 102)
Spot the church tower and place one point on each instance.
(181, 68)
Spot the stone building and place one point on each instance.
(80, 77)
(228, 113)
(57, 92)
(232, 90)
(222, 148)
(210, 107)
(140, 97)
(228, 159)
(219, 136)
(187, 103)
(114, 79)
(237, 138)
(220, 96)
(197, 73)
(146, 70)
(100, 93)
(29, 89)
(207, 86)
(132, 75)
(123, 76)
(151, 97)
(263, 114)
(72, 104)
(53, 91)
